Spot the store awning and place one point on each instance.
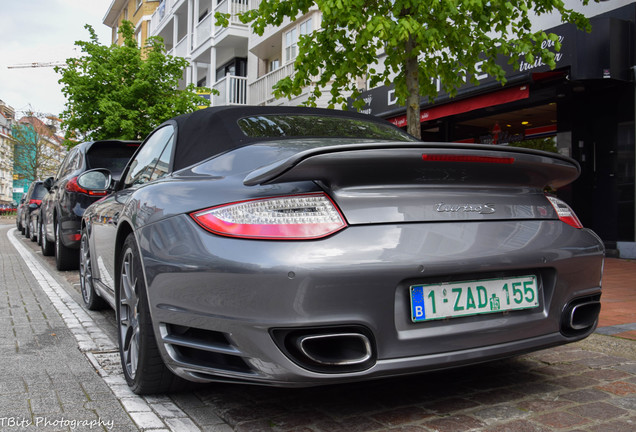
(465, 105)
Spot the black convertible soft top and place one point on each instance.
(212, 131)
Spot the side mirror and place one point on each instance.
(48, 183)
(95, 180)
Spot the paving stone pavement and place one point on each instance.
(589, 386)
(47, 383)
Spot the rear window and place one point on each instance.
(39, 191)
(316, 126)
(111, 155)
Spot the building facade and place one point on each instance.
(37, 152)
(138, 12)
(241, 65)
(7, 117)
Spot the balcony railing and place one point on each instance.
(160, 14)
(261, 89)
(233, 7)
(232, 91)
(181, 48)
(204, 29)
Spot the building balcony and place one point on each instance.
(207, 33)
(260, 91)
(181, 48)
(232, 91)
(160, 15)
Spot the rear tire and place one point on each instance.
(65, 258)
(91, 299)
(144, 370)
(46, 246)
(33, 236)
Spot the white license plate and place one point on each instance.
(457, 299)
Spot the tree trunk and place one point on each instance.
(413, 87)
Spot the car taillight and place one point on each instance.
(35, 201)
(72, 186)
(565, 213)
(467, 158)
(296, 217)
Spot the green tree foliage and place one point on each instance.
(36, 150)
(423, 40)
(123, 92)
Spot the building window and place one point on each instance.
(139, 2)
(125, 13)
(305, 28)
(273, 65)
(291, 39)
(290, 45)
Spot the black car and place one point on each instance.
(30, 204)
(64, 204)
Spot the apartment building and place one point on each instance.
(239, 64)
(41, 151)
(136, 11)
(7, 116)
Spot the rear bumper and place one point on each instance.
(217, 302)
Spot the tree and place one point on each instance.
(37, 150)
(123, 92)
(423, 40)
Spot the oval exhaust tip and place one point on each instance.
(584, 315)
(336, 349)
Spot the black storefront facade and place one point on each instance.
(584, 108)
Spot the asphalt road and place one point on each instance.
(586, 386)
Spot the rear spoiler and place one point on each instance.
(421, 163)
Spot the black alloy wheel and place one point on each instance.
(33, 235)
(91, 299)
(27, 230)
(65, 257)
(46, 246)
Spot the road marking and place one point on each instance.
(158, 413)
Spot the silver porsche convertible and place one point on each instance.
(294, 247)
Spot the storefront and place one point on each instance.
(584, 108)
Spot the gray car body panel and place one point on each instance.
(429, 229)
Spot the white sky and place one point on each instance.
(43, 31)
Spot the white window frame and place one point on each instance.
(290, 39)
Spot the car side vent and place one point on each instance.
(202, 348)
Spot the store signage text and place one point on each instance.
(382, 99)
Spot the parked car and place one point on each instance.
(296, 246)
(30, 204)
(64, 204)
(18, 214)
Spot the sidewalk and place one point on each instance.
(47, 383)
(618, 301)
